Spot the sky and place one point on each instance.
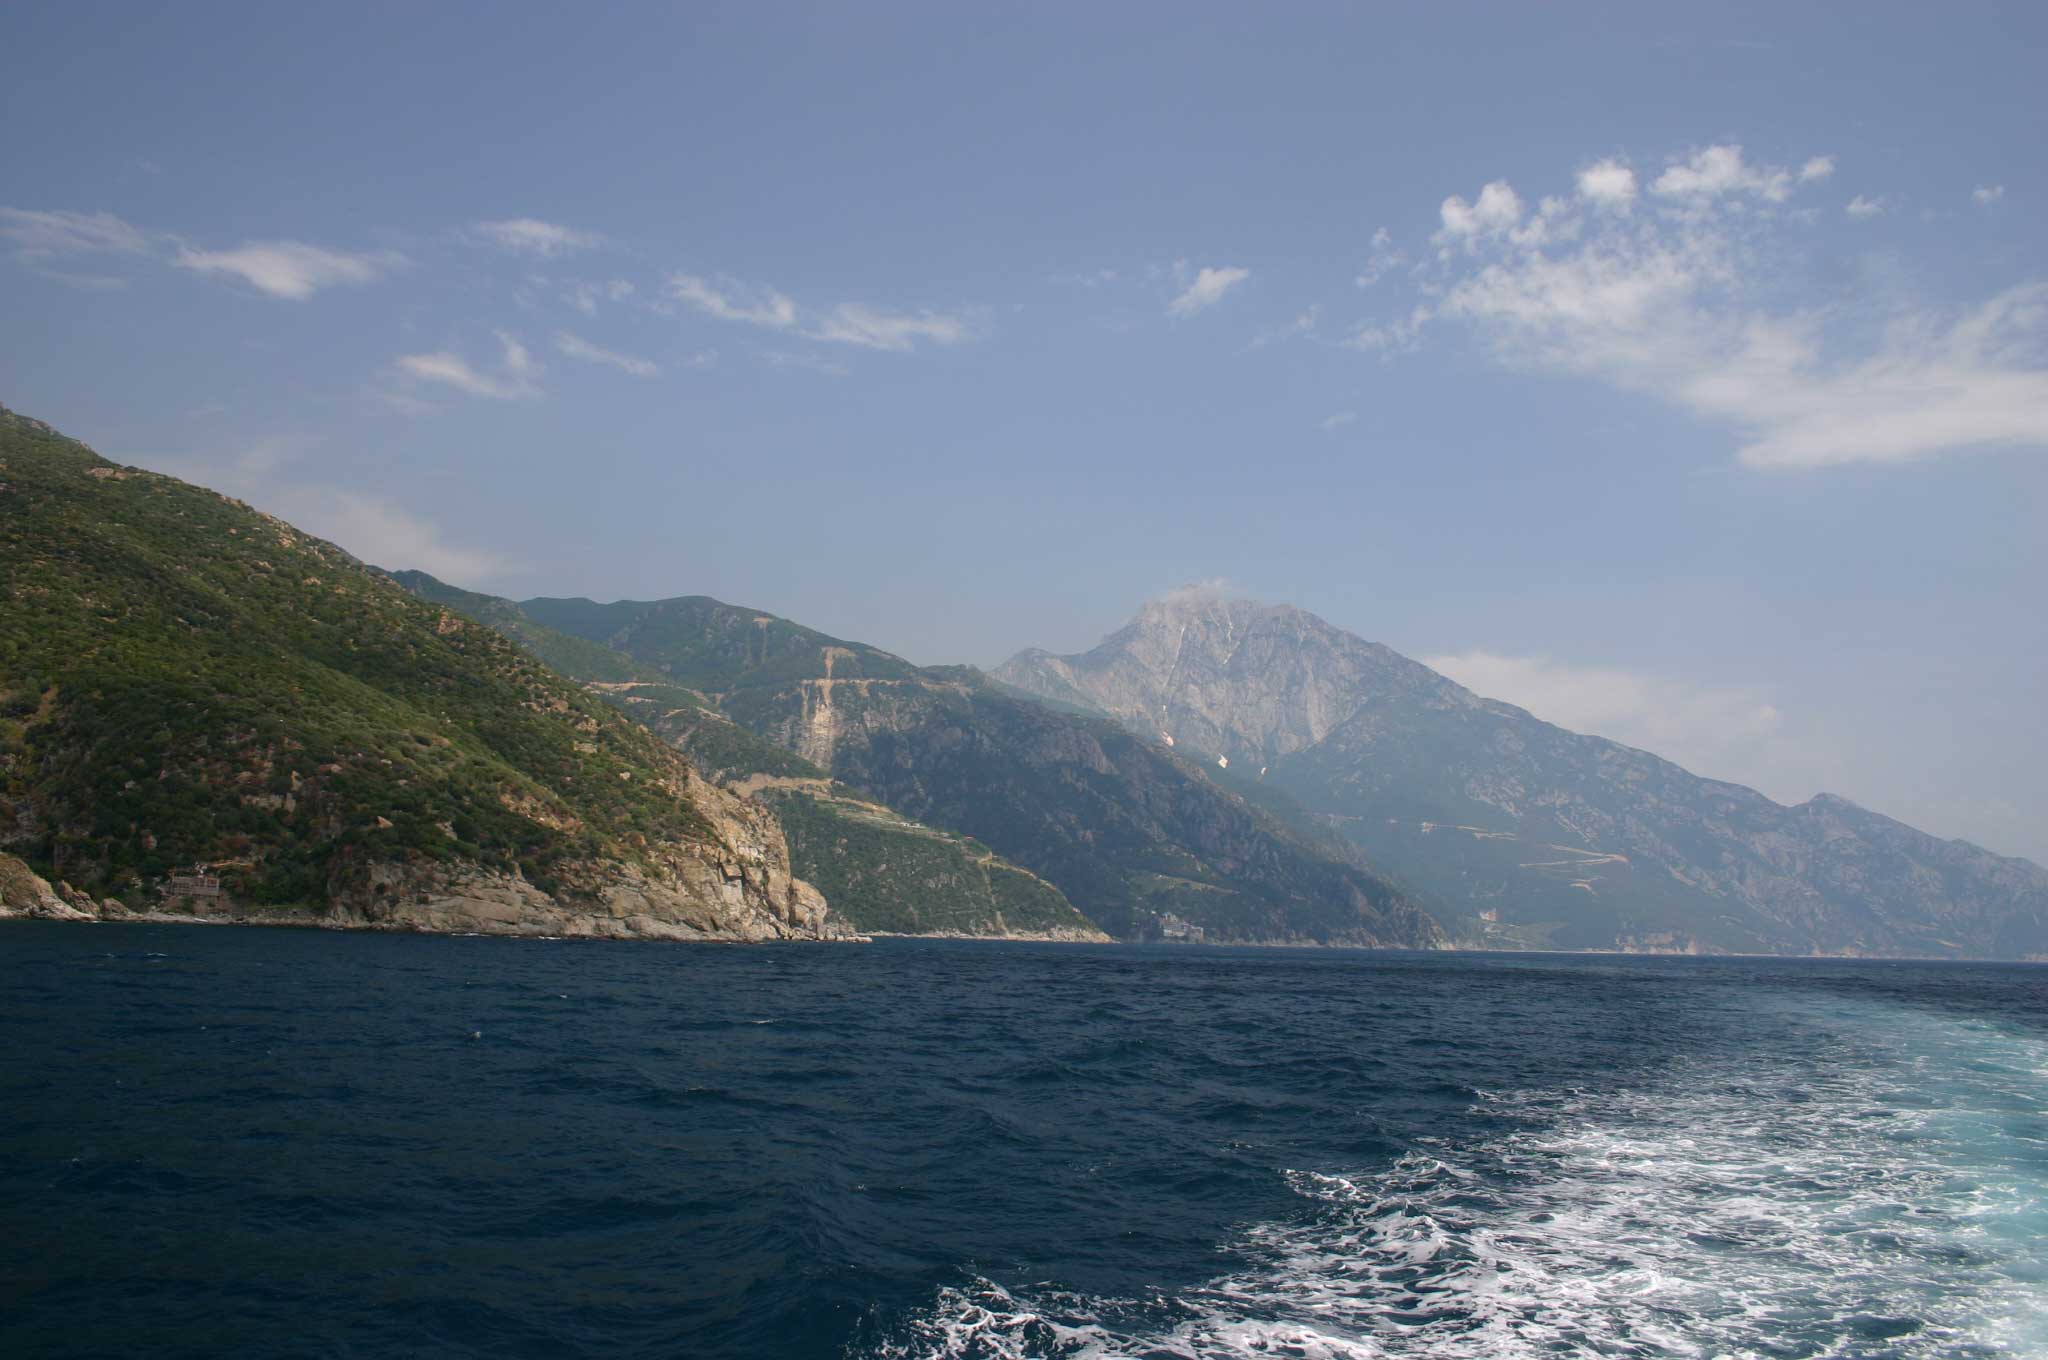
(1679, 375)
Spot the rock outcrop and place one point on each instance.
(24, 893)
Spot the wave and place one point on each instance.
(1872, 1185)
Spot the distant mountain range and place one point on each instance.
(1517, 833)
(205, 712)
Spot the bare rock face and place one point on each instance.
(735, 886)
(25, 893)
(1234, 678)
(739, 890)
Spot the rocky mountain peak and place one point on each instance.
(1229, 676)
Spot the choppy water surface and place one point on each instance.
(286, 1143)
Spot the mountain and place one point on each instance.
(204, 710)
(1145, 843)
(881, 871)
(1522, 834)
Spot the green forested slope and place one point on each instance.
(184, 680)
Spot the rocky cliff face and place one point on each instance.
(1526, 833)
(454, 897)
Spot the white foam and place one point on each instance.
(1884, 1200)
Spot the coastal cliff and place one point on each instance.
(207, 714)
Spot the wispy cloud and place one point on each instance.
(1205, 289)
(1988, 193)
(849, 323)
(1687, 303)
(1860, 206)
(584, 297)
(531, 236)
(1303, 324)
(54, 235)
(267, 474)
(576, 347)
(38, 239)
(450, 369)
(1328, 424)
(1720, 731)
(291, 269)
(1719, 171)
(283, 269)
(727, 300)
(1383, 260)
(852, 323)
(383, 532)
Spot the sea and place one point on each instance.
(223, 1141)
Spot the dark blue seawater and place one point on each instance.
(225, 1141)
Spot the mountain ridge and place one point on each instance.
(1453, 792)
(1141, 841)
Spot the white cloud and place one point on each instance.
(1686, 303)
(1498, 208)
(290, 269)
(1609, 183)
(404, 403)
(452, 370)
(382, 532)
(584, 296)
(1860, 206)
(52, 235)
(1206, 289)
(1392, 336)
(1817, 168)
(1337, 421)
(1384, 260)
(530, 236)
(578, 348)
(852, 323)
(285, 269)
(1721, 170)
(1988, 193)
(376, 530)
(38, 238)
(728, 301)
(1721, 732)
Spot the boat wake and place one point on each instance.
(1882, 1193)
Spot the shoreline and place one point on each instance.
(289, 922)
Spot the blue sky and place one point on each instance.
(1681, 377)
